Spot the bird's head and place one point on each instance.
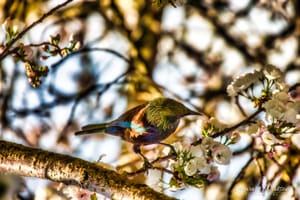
(165, 113)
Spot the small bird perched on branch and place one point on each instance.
(148, 123)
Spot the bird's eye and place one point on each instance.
(172, 118)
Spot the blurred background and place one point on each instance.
(131, 52)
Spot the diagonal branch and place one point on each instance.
(232, 128)
(20, 160)
(245, 121)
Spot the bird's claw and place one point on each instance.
(172, 151)
(147, 165)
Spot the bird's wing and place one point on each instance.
(129, 114)
(138, 127)
(133, 122)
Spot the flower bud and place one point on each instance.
(269, 138)
(207, 142)
(71, 38)
(2, 48)
(191, 167)
(221, 154)
(7, 25)
(214, 174)
(234, 137)
(28, 52)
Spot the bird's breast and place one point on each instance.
(152, 135)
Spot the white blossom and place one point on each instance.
(253, 128)
(282, 148)
(197, 164)
(71, 38)
(234, 137)
(291, 113)
(296, 140)
(6, 25)
(269, 138)
(280, 85)
(243, 82)
(204, 167)
(207, 143)
(206, 123)
(272, 73)
(232, 90)
(180, 146)
(281, 107)
(221, 154)
(287, 132)
(191, 167)
(197, 151)
(274, 108)
(11, 26)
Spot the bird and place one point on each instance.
(145, 124)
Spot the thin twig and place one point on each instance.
(245, 121)
(85, 94)
(22, 33)
(226, 130)
(87, 49)
(157, 160)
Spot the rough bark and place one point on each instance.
(20, 160)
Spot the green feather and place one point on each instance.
(165, 113)
(171, 107)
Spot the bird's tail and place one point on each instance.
(92, 128)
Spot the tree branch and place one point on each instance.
(243, 122)
(22, 33)
(232, 128)
(20, 160)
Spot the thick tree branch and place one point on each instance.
(20, 160)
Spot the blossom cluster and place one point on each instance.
(281, 107)
(195, 165)
(11, 30)
(280, 127)
(273, 139)
(25, 53)
(269, 77)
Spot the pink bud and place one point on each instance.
(28, 52)
(7, 24)
(234, 137)
(214, 174)
(286, 145)
(271, 154)
(2, 48)
(43, 58)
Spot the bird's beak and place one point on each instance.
(191, 112)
